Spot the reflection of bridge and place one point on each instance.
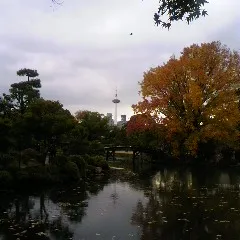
(111, 151)
(136, 151)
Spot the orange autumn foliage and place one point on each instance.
(139, 123)
(194, 96)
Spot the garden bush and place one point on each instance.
(79, 160)
(97, 161)
(71, 171)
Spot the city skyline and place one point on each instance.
(111, 108)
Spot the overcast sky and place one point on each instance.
(83, 49)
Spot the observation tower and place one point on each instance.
(115, 101)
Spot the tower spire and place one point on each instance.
(115, 101)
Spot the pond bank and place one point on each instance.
(64, 170)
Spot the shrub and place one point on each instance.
(71, 171)
(79, 160)
(5, 178)
(97, 161)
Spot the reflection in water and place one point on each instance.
(172, 204)
(114, 196)
(178, 208)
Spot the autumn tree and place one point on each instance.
(195, 97)
(143, 132)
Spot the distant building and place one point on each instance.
(123, 121)
(110, 119)
(119, 123)
(124, 118)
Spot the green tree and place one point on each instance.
(77, 139)
(176, 10)
(5, 134)
(6, 105)
(29, 73)
(47, 121)
(6, 120)
(95, 123)
(25, 92)
(117, 136)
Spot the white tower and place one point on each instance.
(115, 101)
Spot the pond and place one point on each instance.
(157, 203)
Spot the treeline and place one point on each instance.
(35, 132)
(189, 112)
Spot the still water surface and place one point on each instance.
(156, 204)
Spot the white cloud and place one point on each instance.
(83, 49)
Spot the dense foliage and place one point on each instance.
(42, 141)
(194, 98)
(189, 110)
(176, 10)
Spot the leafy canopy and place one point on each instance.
(95, 123)
(25, 92)
(194, 96)
(27, 72)
(174, 10)
(46, 119)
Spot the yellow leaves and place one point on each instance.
(191, 143)
(196, 95)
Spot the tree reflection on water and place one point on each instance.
(41, 217)
(168, 204)
(179, 207)
(28, 217)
